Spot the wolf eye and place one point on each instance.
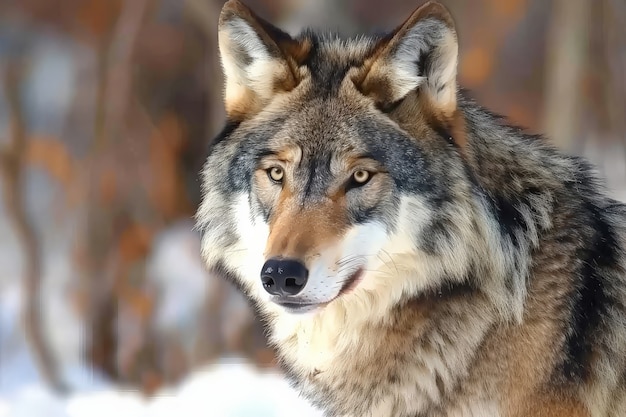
(276, 174)
(361, 177)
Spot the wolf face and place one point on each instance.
(315, 194)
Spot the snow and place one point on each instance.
(229, 388)
(178, 275)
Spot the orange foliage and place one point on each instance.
(151, 382)
(265, 358)
(167, 191)
(510, 9)
(141, 305)
(519, 112)
(51, 155)
(98, 16)
(133, 246)
(134, 243)
(108, 186)
(476, 66)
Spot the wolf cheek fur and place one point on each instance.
(447, 264)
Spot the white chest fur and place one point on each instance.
(378, 372)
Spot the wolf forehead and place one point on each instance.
(329, 57)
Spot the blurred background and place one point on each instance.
(106, 111)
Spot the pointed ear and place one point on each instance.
(258, 60)
(420, 53)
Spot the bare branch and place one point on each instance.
(115, 70)
(567, 53)
(114, 89)
(12, 168)
(205, 17)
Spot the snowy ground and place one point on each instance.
(231, 388)
(228, 389)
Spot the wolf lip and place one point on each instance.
(295, 306)
(291, 304)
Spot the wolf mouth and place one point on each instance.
(351, 283)
(294, 306)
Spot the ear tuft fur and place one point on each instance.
(256, 60)
(420, 54)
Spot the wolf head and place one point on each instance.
(338, 178)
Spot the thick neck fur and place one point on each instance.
(422, 350)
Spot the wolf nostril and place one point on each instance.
(268, 282)
(284, 276)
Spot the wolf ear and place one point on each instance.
(420, 53)
(257, 58)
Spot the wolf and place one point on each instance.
(410, 253)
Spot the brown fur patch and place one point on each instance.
(300, 232)
(243, 102)
(297, 51)
(240, 103)
(451, 121)
(458, 129)
(362, 162)
(547, 406)
(416, 113)
(290, 154)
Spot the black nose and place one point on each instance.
(283, 276)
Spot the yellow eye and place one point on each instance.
(276, 174)
(361, 176)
